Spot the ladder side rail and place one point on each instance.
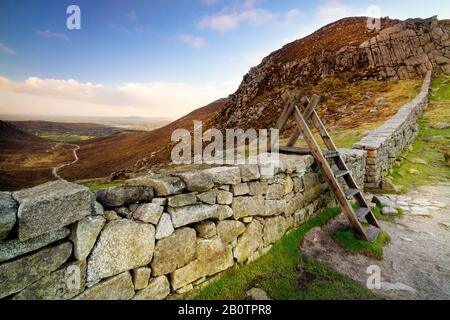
(328, 172)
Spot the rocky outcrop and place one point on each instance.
(401, 50)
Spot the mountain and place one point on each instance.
(345, 50)
(132, 150)
(27, 160)
(55, 130)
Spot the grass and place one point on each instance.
(377, 213)
(431, 145)
(115, 183)
(64, 137)
(277, 273)
(348, 240)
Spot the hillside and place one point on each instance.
(103, 156)
(65, 131)
(27, 160)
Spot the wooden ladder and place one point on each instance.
(331, 172)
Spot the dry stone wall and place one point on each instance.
(155, 236)
(386, 143)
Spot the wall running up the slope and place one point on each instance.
(386, 143)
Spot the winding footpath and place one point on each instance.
(76, 158)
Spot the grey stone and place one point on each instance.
(17, 274)
(164, 227)
(14, 248)
(141, 277)
(122, 245)
(196, 180)
(160, 201)
(163, 185)
(229, 230)
(191, 214)
(249, 172)
(98, 209)
(119, 287)
(123, 195)
(225, 175)
(274, 207)
(174, 251)
(206, 229)
(84, 234)
(158, 289)
(148, 213)
(257, 294)
(111, 215)
(212, 257)
(258, 188)
(310, 180)
(185, 289)
(51, 206)
(224, 197)
(181, 200)
(8, 213)
(274, 229)
(275, 191)
(223, 212)
(248, 206)
(240, 189)
(418, 161)
(123, 212)
(62, 284)
(249, 242)
(208, 197)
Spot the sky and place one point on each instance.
(157, 58)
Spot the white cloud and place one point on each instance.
(227, 21)
(333, 10)
(193, 41)
(153, 99)
(230, 17)
(210, 2)
(52, 35)
(5, 49)
(292, 17)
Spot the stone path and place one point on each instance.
(75, 156)
(416, 264)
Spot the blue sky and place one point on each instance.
(153, 58)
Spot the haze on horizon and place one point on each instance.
(158, 59)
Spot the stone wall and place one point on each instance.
(156, 235)
(386, 143)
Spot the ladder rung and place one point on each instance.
(340, 173)
(372, 233)
(351, 192)
(361, 212)
(326, 153)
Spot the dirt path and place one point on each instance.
(75, 155)
(416, 264)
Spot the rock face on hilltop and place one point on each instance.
(400, 50)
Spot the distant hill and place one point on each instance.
(65, 131)
(103, 156)
(27, 160)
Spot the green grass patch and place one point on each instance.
(278, 274)
(106, 185)
(350, 242)
(431, 145)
